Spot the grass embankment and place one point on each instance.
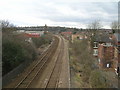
(84, 70)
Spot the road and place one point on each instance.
(50, 71)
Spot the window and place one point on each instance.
(95, 52)
(99, 60)
(95, 44)
(108, 44)
(108, 65)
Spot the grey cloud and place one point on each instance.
(51, 13)
(49, 10)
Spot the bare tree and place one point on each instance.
(94, 26)
(5, 23)
(114, 26)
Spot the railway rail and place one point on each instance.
(39, 66)
(53, 81)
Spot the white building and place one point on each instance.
(37, 32)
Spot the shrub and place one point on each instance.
(97, 79)
(45, 39)
(15, 51)
(13, 55)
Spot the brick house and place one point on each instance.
(116, 38)
(36, 35)
(106, 56)
(100, 40)
(104, 50)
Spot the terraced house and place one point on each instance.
(103, 50)
(116, 39)
(107, 50)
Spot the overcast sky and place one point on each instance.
(70, 13)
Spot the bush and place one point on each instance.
(15, 51)
(45, 39)
(97, 79)
(13, 55)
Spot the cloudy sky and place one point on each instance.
(70, 13)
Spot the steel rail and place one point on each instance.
(42, 58)
(58, 64)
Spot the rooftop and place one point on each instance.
(117, 36)
(102, 38)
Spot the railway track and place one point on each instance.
(39, 66)
(53, 81)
